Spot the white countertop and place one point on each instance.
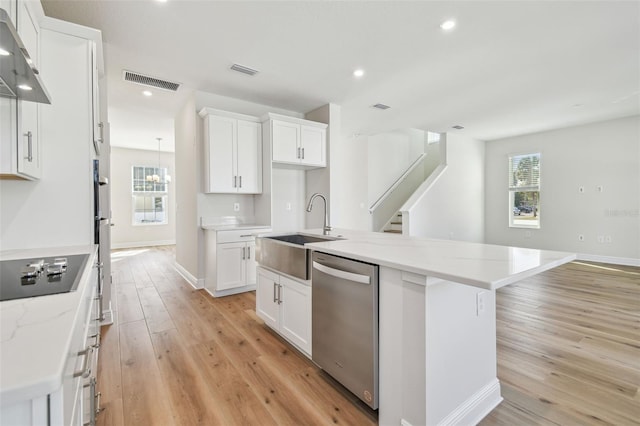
(35, 333)
(231, 227)
(480, 265)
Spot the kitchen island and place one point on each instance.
(437, 320)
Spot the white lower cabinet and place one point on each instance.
(284, 304)
(231, 264)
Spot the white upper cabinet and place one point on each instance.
(20, 147)
(233, 152)
(286, 141)
(297, 142)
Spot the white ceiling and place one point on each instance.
(508, 68)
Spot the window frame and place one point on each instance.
(164, 194)
(530, 188)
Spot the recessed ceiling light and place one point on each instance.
(147, 93)
(458, 127)
(448, 25)
(358, 73)
(4, 52)
(25, 87)
(161, 1)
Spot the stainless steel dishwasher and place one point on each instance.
(345, 323)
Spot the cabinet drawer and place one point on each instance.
(239, 235)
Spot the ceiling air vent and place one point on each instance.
(458, 127)
(243, 69)
(381, 106)
(145, 80)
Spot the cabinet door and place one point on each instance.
(221, 133)
(313, 142)
(267, 306)
(231, 271)
(249, 148)
(285, 140)
(10, 7)
(295, 313)
(28, 134)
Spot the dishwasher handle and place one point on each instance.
(349, 276)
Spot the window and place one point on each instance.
(524, 191)
(149, 186)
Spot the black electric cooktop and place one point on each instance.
(40, 276)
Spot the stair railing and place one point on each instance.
(397, 183)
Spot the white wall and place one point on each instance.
(186, 183)
(288, 200)
(607, 154)
(124, 233)
(349, 183)
(390, 155)
(454, 206)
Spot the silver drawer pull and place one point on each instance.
(86, 365)
(275, 298)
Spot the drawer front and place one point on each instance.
(239, 235)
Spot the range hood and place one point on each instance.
(15, 67)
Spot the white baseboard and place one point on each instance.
(476, 407)
(136, 244)
(626, 261)
(231, 291)
(195, 282)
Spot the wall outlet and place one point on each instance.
(600, 188)
(608, 239)
(236, 207)
(581, 189)
(480, 303)
(601, 239)
(288, 207)
(580, 237)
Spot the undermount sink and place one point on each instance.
(287, 254)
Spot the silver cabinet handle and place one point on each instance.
(248, 252)
(298, 154)
(86, 365)
(240, 181)
(275, 298)
(235, 181)
(279, 294)
(303, 153)
(29, 156)
(98, 338)
(243, 253)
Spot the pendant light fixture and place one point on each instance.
(155, 177)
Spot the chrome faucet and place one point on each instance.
(326, 228)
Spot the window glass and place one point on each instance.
(149, 189)
(524, 191)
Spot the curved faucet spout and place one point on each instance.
(326, 228)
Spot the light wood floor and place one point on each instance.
(568, 353)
